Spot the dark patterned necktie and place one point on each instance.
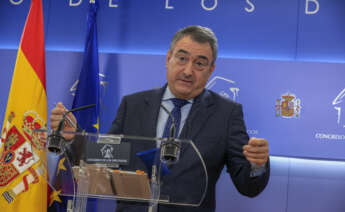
(176, 113)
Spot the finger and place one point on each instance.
(257, 142)
(71, 117)
(59, 108)
(57, 111)
(60, 105)
(69, 122)
(54, 125)
(255, 155)
(255, 149)
(55, 118)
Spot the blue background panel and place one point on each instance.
(321, 36)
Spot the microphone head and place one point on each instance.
(170, 152)
(56, 143)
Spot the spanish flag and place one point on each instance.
(23, 185)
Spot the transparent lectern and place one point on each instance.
(128, 169)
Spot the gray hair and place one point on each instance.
(198, 34)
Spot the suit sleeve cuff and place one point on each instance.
(257, 170)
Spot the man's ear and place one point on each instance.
(168, 57)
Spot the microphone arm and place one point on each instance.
(56, 141)
(170, 150)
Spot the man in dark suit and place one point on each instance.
(213, 123)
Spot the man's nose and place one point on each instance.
(188, 70)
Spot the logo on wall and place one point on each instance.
(288, 106)
(224, 87)
(338, 104)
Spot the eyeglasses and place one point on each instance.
(200, 63)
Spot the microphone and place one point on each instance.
(170, 150)
(56, 142)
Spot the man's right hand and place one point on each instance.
(56, 116)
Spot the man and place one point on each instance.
(213, 123)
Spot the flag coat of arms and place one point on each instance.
(23, 185)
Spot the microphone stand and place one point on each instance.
(170, 150)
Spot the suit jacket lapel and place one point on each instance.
(151, 111)
(203, 107)
(201, 110)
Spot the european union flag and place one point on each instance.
(87, 93)
(88, 86)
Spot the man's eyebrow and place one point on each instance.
(202, 57)
(183, 51)
(186, 52)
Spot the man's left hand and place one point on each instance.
(256, 151)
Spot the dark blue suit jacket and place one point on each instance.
(215, 125)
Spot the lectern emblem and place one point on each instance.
(107, 151)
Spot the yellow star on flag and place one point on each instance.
(96, 125)
(54, 196)
(61, 166)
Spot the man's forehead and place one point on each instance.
(189, 40)
(190, 45)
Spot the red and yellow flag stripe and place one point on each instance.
(23, 185)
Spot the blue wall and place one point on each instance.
(267, 48)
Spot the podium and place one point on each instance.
(130, 170)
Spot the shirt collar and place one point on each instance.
(169, 95)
